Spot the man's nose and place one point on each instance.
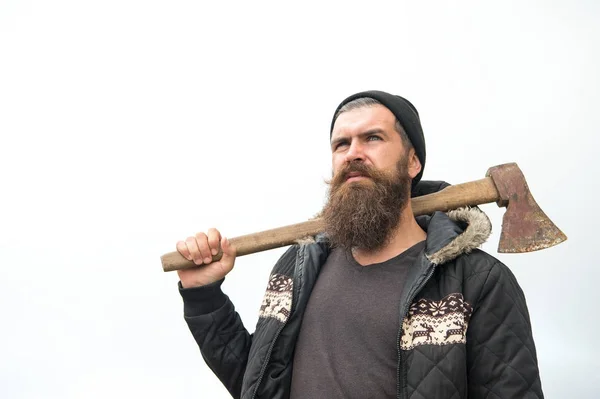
(355, 152)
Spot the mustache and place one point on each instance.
(354, 167)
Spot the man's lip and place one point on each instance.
(355, 176)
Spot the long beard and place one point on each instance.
(363, 214)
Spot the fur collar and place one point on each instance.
(476, 233)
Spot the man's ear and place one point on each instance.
(414, 164)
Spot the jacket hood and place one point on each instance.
(455, 233)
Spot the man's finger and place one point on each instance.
(192, 247)
(183, 250)
(202, 241)
(214, 237)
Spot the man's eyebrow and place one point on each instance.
(361, 135)
(338, 140)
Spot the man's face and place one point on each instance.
(368, 135)
(371, 179)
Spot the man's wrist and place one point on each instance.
(202, 299)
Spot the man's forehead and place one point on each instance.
(362, 119)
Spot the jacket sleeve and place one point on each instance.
(501, 355)
(219, 332)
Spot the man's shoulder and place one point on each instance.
(479, 258)
(476, 264)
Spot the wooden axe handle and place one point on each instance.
(466, 194)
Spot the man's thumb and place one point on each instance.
(228, 250)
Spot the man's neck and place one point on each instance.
(404, 236)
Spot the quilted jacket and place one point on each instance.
(465, 325)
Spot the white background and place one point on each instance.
(128, 125)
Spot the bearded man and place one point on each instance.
(383, 304)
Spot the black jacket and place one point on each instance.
(465, 325)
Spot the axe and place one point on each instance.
(525, 227)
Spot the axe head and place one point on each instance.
(525, 227)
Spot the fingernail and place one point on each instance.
(207, 260)
(214, 251)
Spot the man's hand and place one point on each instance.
(200, 249)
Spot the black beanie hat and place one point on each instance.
(407, 115)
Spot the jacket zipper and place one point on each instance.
(268, 357)
(264, 368)
(403, 316)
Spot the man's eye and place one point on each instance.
(340, 145)
(372, 138)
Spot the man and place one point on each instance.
(382, 305)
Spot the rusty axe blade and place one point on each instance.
(525, 227)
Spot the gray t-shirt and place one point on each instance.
(347, 346)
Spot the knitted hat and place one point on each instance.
(406, 114)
